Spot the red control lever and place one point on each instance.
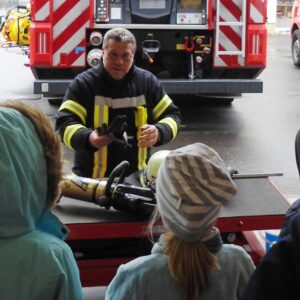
(189, 44)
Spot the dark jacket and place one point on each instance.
(82, 111)
(278, 274)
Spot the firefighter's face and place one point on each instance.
(118, 58)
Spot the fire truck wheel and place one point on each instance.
(216, 100)
(55, 101)
(296, 47)
(227, 101)
(223, 101)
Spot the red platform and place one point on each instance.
(103, 239)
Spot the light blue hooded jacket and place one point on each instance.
(149, 277)
(35, 262)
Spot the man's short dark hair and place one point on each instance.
(119, 34)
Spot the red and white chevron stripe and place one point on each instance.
(69, 20)
(258, 11)
(230, 37)
(40, 10)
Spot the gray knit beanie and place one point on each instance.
(192, 185)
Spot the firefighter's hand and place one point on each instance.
(99, 141)
(149, 136)
(118, 126)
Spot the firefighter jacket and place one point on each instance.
(35, 262)
(94, 98)
(149, 277)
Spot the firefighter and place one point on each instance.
(115, 112)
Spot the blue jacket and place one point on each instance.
(148, 277)
(35, 262)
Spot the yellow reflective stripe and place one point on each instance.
(161, 107)
(97, 121)
(142, 159)
(141, 117)
(100, 156)
(69, 132)
(75, 108)
(96, 154)
(104, 149)
(172, 124)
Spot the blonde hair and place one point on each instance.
(190, 263)
(50, 142)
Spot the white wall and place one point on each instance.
(272, 7)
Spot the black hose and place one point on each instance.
(121, 171)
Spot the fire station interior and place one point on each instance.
(105, 235)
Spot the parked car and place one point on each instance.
(295, 33)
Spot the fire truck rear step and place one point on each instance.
(203, 86)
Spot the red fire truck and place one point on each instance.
(203, 47)
(295, 33)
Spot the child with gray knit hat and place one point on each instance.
(192, 185)
(189, 261)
